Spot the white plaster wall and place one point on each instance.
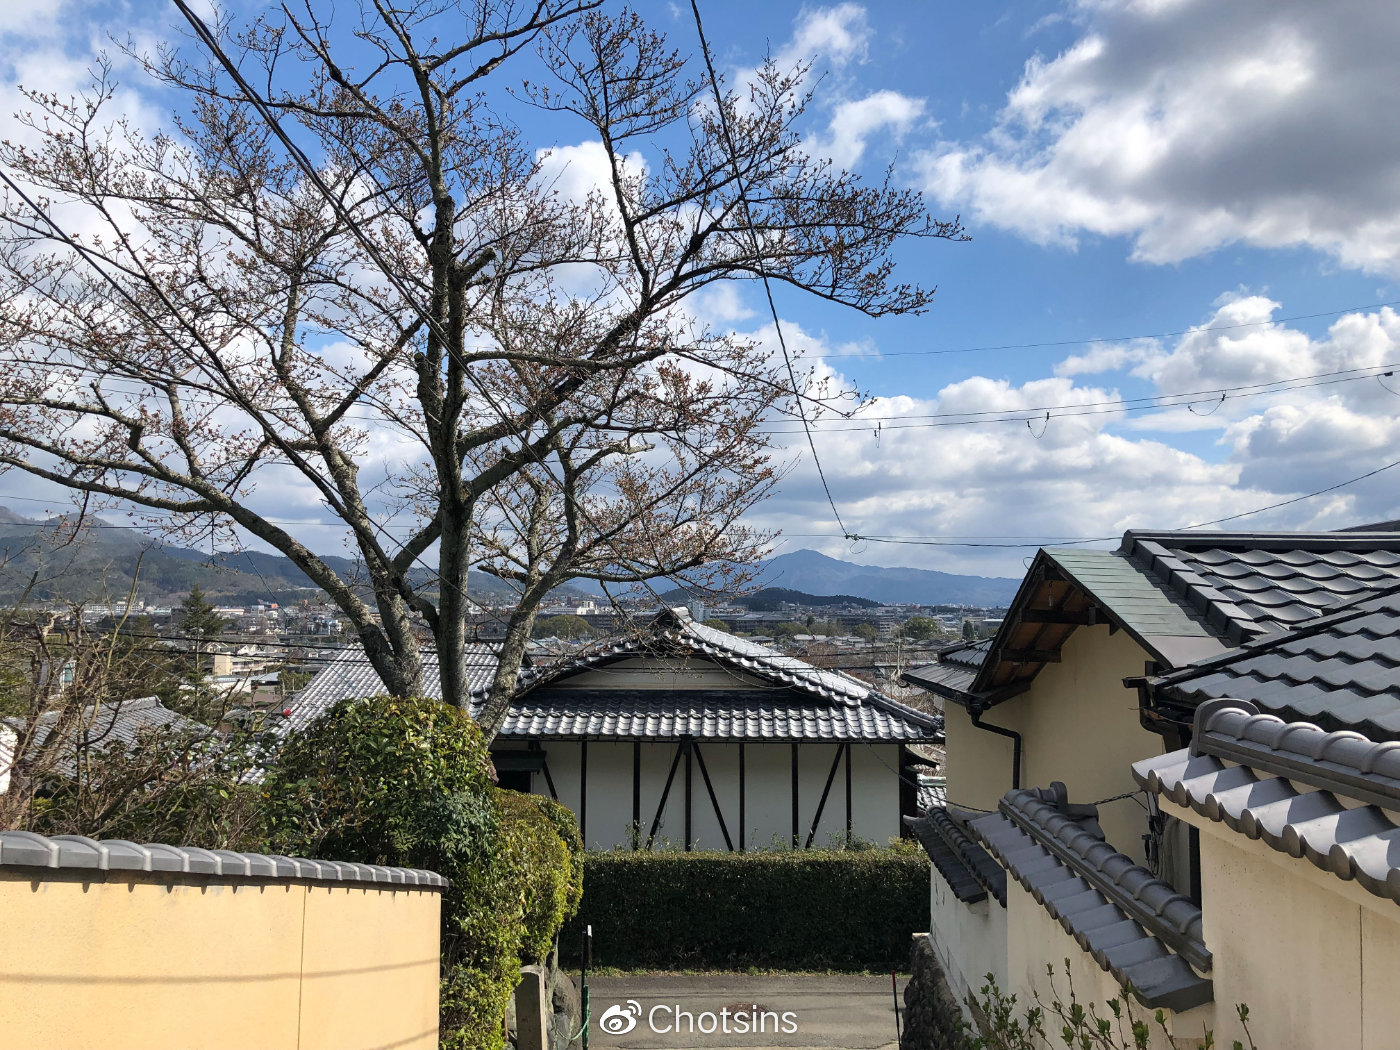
(968, 939)
(768, 792)
(875, 792)
(609, 794)
(814, 763)
(722, 760)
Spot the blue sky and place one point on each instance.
(1125, 168)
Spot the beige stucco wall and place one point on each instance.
(1036, 941)
(1077, 723)
(182, 962)
(767, 792)
(1316, 959)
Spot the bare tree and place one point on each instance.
(344, 268)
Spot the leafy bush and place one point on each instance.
(795, 910)
(407, 782)
(1074, 1024)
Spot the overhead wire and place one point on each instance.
(733, 157)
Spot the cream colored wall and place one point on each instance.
(968, 939)
(767, 792)
(1036, 941)
(1316, 959)
(1077, 723)
(977, 763)
(186, 963)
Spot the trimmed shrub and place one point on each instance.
(845, 910)
(407, 782)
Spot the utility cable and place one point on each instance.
(732, 153)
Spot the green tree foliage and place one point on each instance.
(574, 628)
(408, 782)
(196, 617)
(920, 628)
(867, 632)
(969, 632)
(717, 623)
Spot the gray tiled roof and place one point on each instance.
(965, 866)
(1287, 784)
(801, 702)
(101, 726)
(350, 674)
(708, 714)
(24, 849)
(1246, 584)
(1134, 925)
(674, 633)
(1341, 671)
(952, 676)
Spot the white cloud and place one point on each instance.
(1099, 473)
(837, 35)
(1187, 126)
(854, 122)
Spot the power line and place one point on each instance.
(1047, 344)
(758, 259)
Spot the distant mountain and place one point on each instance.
(767, 599)
(99, 564)
(816, 573)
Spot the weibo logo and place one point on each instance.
(618, 1019)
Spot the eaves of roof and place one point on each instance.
(1135, 926)
(1287, 784)
(1066, 588)
(961, 861)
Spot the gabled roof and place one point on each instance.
(1341, 671)
(350, 674)
(1070, 587)
(796, 701)
(1327, 797)
(1183, 596)
(102, 726)
(1133, 924)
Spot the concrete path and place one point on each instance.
(681, 1013)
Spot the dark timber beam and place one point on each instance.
(743, 832)
(665, 793)
(549, 781)
(714, 800)
(689, 752)
(1084, 618)
(1030, 656)
(796, 818)
(830, 777)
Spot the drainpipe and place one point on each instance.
(1015, 738)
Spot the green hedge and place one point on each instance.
(800, 910)
(407, 782)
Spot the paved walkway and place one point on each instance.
(680, 1013)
